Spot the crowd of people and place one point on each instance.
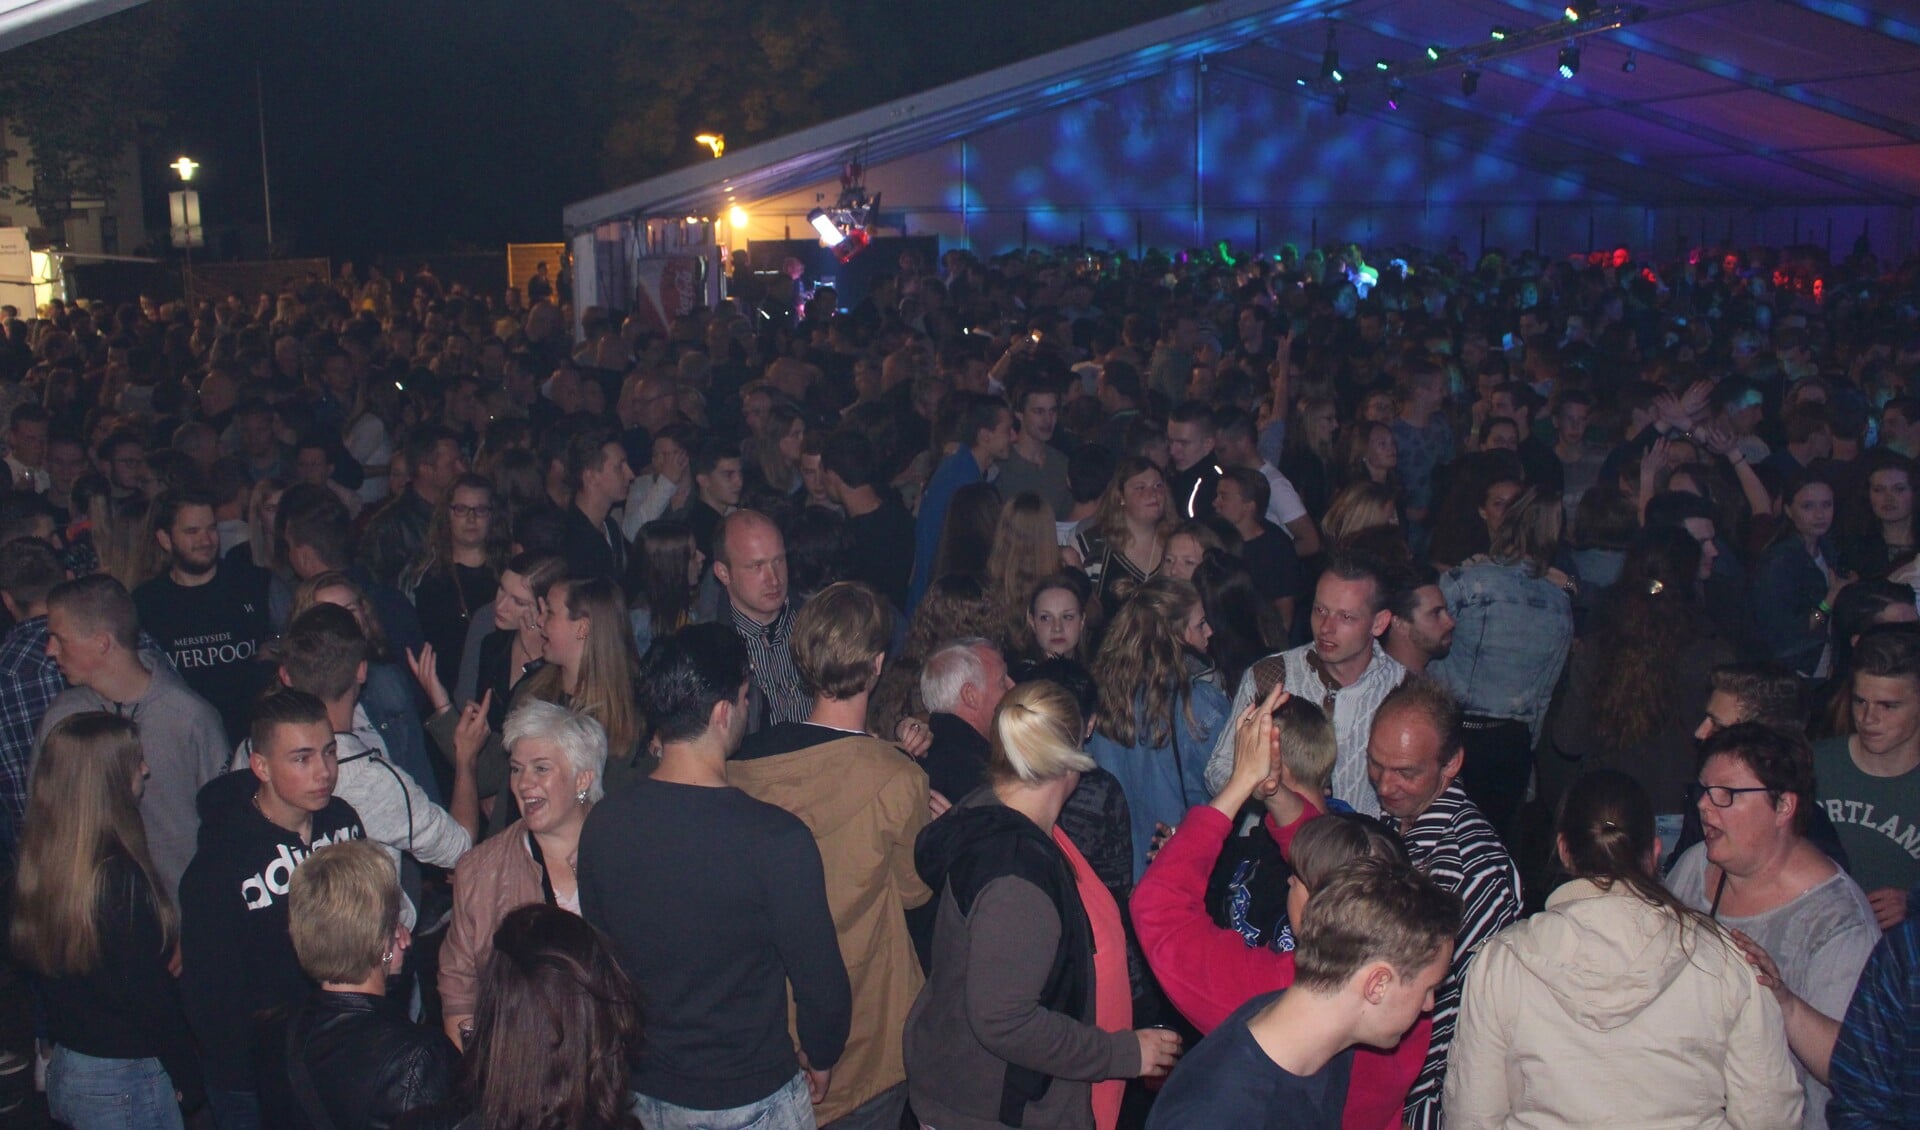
(1054, 691)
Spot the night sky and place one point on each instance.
(398, 127)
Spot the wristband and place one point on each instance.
(1824, 607)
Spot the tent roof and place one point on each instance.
(23, 21)
(1730, 101)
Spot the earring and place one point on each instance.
(580, 797)
(386, 958)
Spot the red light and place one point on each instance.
(854, 244)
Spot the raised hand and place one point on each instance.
(427, 674)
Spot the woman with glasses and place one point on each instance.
(1620, 1005)
(1757, 874)
(458, 569)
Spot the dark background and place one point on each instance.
(398, 127)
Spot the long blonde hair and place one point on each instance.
(1141, 669)
(604, 689)
(80, 811)
(1026, 549)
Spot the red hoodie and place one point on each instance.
(1208, 972)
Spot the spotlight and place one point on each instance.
(1300, 82)
(1394, 90)
(1633, 62)
(1569, 61)
(1337, 76)
(737, 218)
(1382, 64)
(844, 243)
(1578, 10)
(714, 141)
(1340, 103)
(1434, 52)
(1469, 82)
(1330, 58)
(1499, 31)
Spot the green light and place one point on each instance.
(1434, 53)
(1499, 32)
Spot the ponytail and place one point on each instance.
(1606, 832)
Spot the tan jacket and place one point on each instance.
(1601, 1012)
(492, 879)
(865, 803)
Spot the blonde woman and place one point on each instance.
(1358, 507)
(92, 919)
(591, 667)
(1017, 902)
(1128, 536)
(1157, 723)
(1025, 550)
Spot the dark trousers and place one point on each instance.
(1499, 763)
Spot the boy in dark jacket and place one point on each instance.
(256, 826)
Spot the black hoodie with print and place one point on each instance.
(237, 959)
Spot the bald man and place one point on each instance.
(750, 565)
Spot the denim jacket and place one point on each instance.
(1162, 782)
(1510, 642)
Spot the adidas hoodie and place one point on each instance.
(237, 959)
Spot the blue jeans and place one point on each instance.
(881, 1112)
(788, 1108)
(88, 1093)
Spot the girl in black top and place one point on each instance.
(93, 922)
(458, 569)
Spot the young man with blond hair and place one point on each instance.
(865, 804)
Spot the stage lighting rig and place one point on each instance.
(1569, 61)
(847, 227)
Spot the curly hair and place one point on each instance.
(1651, 618)
(1141, 669)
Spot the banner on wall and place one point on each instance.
(666, 287)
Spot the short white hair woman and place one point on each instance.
(555, 758)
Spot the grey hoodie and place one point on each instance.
(185, 747)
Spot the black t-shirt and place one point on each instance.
(212, 634)
(1273, 563)
(1227, 1080)
(883, 549)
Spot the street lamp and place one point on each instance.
(183, 208)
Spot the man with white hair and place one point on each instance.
(961, 684)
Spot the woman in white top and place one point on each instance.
(1619, 1005)
(1758, 875)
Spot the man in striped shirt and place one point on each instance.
(750, 563)
(1413, 757)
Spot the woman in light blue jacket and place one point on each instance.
(1157, 722)
(1513, 617)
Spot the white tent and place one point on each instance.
(1769, 121)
